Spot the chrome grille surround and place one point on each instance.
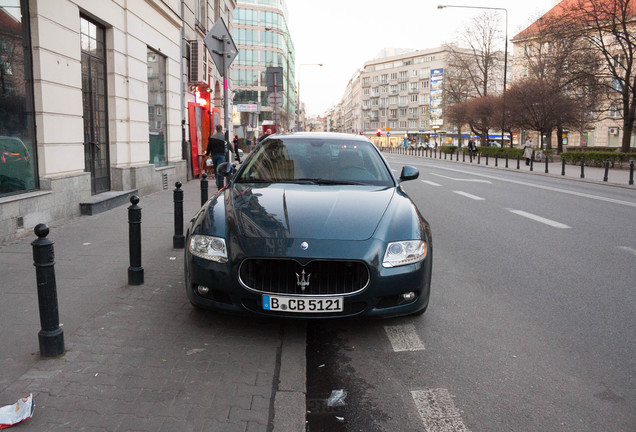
(325, 277)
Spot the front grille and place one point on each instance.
(280, 276)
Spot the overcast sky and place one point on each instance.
(344, 34)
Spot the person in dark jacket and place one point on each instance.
(236, 149)
(216, 149)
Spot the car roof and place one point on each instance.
(320, 135)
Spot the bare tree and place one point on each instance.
(554, 55)
(609, 27)
(541, 106)
(478, 54)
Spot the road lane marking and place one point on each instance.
(404, 338)
(628, 249)
(534, 217)
(428, 182)
(463, 179)
(438, 411)
(537, 186)
(467, 195)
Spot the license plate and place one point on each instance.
(303, 304)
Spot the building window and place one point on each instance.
(199, 12)
(17, 139)
(157, 107)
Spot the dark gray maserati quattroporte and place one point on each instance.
(312, 225)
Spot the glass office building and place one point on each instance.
(263, 40)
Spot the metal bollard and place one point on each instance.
(178, 239)
(562, 166)
(486, 158)
(582, 167)
(607, 164)
(518, 159)
(204, 188)
(471, 157)
(135, 271)
(463, 156)
(631, 172)
(444, 155)
(506, 159)
(532, 161)
(51, 336)
(457, 158)
(496, 159)
(478, 158)
(546, 163)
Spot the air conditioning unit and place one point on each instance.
(198, 63)
(613, 131)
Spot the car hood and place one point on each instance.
(308, 212)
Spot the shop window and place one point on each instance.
(18, 167)
(156, 107)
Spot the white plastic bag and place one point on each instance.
(19, 411)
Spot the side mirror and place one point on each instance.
(226, 169)
(409, 173)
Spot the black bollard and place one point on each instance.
(51, 336)
(562, 166)
(546, 163)
(631, 172)
(532, 161)
(478, 158)
(496, 159)
(178, 240)
(470, 156)
(135, 271)
(463, 156)
(486, 158)
(444, 155)
(607, 164)
(518, 159)
(457, 158)
(582, 167)
(204, 188)
(506, 159)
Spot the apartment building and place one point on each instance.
(403, 95)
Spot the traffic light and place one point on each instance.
(379, 132)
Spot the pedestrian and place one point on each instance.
(236, 149)
(471, 147)
(527, 150)
(216, 149)
(267, 133)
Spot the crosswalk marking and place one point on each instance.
(438, 411)
(404, 338)
(543, 220)
(467, 195)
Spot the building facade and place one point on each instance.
(98, 101)
(606, 130)
(404, 96)
(261, 34)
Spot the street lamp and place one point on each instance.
(503, 96)
(299, 102)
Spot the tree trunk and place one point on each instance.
(628, 128)
(559, 139)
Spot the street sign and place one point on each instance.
(247, 107)
(388, 134)
(274, 79)
(275, 99)
(221, 46)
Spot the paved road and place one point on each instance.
(531, 317)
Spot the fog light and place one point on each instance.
(203, 290)
(409, 296)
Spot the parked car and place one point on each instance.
(16, 169)
(311, 225)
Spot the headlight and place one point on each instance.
(404, 252)
(208, 247)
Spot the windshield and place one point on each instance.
(321, 161)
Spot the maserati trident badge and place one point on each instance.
(301, 281)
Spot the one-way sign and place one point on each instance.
(221, 46)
